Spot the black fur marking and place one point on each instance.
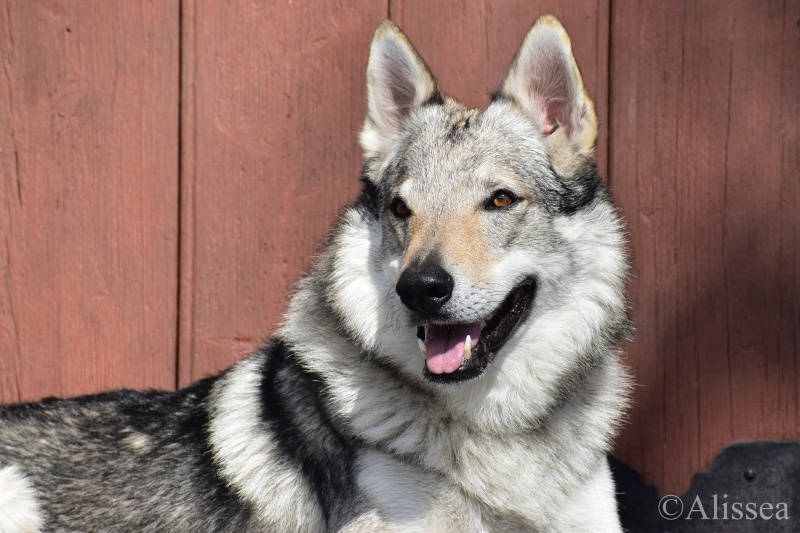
(455, 133)
(499, 96)
(381, 187)
(570, 195)
(579, 196)
(393, 174)
(294, 406)
(194, 435)
(365, 355)
(435, 99)
(459, 126)
(369, 196)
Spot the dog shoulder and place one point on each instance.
(20, 511)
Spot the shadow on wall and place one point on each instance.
(752, 487)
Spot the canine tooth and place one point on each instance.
(422, 348)
(483, 324)
(468, 347)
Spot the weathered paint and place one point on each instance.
(89, 196)
(705, 163)
(274, 98)
(702, 105)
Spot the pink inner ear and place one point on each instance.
(549, 126)
(549, 91)
(553, 114)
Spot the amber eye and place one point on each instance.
(502, 199)
(400, 208)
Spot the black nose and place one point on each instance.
(425, 288)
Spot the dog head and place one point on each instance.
(484, 238)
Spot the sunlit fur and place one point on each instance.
(332, 426)
(19, 508)
(528, 436)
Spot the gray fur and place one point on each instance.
(333, 426)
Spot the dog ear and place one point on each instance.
(398, 82)
(545, 82)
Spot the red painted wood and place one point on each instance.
(277, 99)
(470, 45)
(703, 156)
(89, 196)
(705, 159)
(274, 99)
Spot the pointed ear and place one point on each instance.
(545, 82)
(398, 82)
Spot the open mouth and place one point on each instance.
(460, 352)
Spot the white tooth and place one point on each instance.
(422, 348)
(483, 324)
(468, 347)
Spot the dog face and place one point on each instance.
(470, 200)
(463, 225)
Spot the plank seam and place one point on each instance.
(178, 271)
(186, 165)
(609, 87)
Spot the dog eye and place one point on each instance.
(400, 208)
(501, 199)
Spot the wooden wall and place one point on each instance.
(89, 196)
(705, 164)
(169, 168)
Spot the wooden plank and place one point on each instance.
(269, 156)
(273, 100)
(788, 397)
(470, 45)
(89, 197)
(704, 155)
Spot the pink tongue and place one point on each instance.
(445, 346)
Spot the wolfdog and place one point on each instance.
(449, 363)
